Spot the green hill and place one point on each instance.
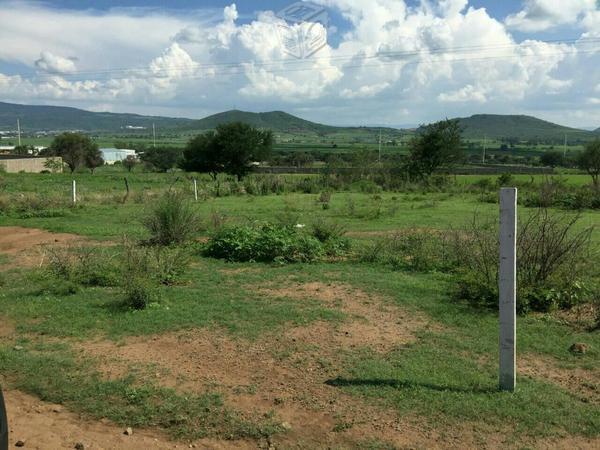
(275, 120)
(494, 126)
(40, 117)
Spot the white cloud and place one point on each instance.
(539, 15)
(364, 91)
(440, 58)
(469, 93)
(51, 63)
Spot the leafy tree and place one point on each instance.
(129, 162)
(162, 158)
(231, 149)
(93, 158)
(589, 160)
(436, 145)
(76, 150)
(202, 155)
(241, 145)
(552, 159)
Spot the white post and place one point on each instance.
(195, 190)
(74, 191)
(507, 281)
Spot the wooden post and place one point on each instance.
(507, 285)
(195, 190)
(74, 191)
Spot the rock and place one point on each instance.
(18, 348)
(79, 446)
(128, 431)
(19, 444)
(286, 426)
(578, 348)
(57, 409)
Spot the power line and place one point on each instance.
(384, 56)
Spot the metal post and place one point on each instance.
(74, 192)
(507, 281)
(195, 190)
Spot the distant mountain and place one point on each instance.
(39, 118)
(56, 118)
(274, 120)
(494, 126)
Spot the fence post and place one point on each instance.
(195, 190)
(74, 191)
(507, 287)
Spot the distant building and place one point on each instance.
(112, 155)
(34, 164)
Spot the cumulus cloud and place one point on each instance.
(49, 62)
(469, 93)
(538, 15)
(437, 58)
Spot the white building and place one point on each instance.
(112, 155)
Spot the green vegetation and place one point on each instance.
(231, 149)
(375, 257)
(76, 150)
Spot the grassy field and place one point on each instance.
(336, 353)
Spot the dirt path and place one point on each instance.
(24, 246)
(46, 426)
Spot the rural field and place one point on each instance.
(284, 312)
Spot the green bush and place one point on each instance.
(87, 266)
(417, 250)
(139, 293)
(331, 234)
(552, 255)
(173, 220)
(264, 243)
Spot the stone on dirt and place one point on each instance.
(128, 431)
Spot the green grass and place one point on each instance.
(56, 375)
(447, 377)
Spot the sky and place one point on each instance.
(339, 62)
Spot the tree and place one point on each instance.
(552, 159)
(232, 149)
(162, 158)
(76, 150)
(589, 160)
(129, 162)
(436, 145)
(241, 145)
(93, 158)
(202, 155)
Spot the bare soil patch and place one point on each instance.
(283, 373)
(45, 426)
(582, 383)
(371, 323)
(25, 245)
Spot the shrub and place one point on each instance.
(264, 243)
(551, 256)
(418, 250)
(87, 266)
(331, 234)
(139, 293)
(173, 220)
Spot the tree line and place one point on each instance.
(235, 148)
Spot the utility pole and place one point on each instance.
(484, 145)
(565, 147)
(379, 158)
(19, 131)
(153, 135)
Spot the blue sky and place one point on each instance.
(387, 62)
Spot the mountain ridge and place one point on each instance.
(58, 118)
